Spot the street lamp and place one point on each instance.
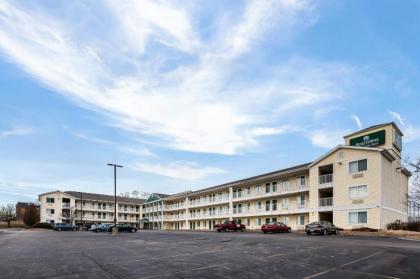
(115, 192)
(81, 209)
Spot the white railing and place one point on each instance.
(66, 205)
(326, 202)
(326, 179)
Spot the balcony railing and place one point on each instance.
(326, 202)
(326, 179)
(66, 205)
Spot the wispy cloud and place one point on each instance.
(411, 133)
(357, 120)
(16, 131)
(179, 170)
(159, 76)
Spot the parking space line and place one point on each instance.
(193, 269)
(347, 264)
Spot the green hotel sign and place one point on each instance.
(372, 139)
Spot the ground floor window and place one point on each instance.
(274, 220)
(300, 220)
(248, 222)
(359, 217)
(258, 221)
(267, 220)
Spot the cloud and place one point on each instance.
(271, 131)
(132, 150)
(327, 138)
(411, 133)
(357, 120)
(150, 71)
(16, 131)
(179, 170)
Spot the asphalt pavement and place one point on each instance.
(176, 254)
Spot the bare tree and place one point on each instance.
(31, 215)
(414, 167)
(69, 214)
(8, 213)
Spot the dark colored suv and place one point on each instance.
(65, 227)
(123, 228)
(321, 227)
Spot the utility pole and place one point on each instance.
(115, 229)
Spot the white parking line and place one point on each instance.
(346, 264)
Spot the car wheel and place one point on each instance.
(264, 231)
(336, 232)
(308, 233)
(59, 229)
(242, 229)
(289, 230)
(324, 232)
(74, 229)
(133, 230)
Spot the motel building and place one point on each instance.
(359, 184)
(87, 208)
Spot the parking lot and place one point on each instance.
(169, 254)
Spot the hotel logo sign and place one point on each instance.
(372, 139)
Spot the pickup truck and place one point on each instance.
(229, 226)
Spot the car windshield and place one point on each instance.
(315, 223)
(273, 223)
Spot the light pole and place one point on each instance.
(115, 229)
(81, 209)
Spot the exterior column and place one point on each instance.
(230, 203)
(187, 223)
(161, 216)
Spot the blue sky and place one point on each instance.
(192, 94)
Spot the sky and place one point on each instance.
(191, 94)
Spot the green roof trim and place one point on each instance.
(153, 198)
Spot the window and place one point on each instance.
(248, 207)
(358, 192)
(234, 209)
(239, 208)
(125, 216)
(259, 205)
(300, 180)
(300, 200)
(248, 191)
(274, 186)
(99, 215)
(359, 217)
(258, 221)
(285, 203)
(358, 166)
(267, 206)
(267, 220)
(50, 200)
(285, 185)
(300, 220)
(239, 193)
(50, 211)
(274, 205)
(267, 188)
(104, 206)
(248, 222)
(258, 189)
(104, 215)
(286, 220)
(234, 193)
(83, 203)
(125, 208)
(274, 219)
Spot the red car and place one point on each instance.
(229, 226)
(275, 227)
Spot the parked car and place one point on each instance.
(321, 227)
(230, 226)
(275, 227)
(65, 227)
(101, 228)
(123, 228)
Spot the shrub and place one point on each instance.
(42, 226)
(406, 226)
(364, 229)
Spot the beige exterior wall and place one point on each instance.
(95, 211)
